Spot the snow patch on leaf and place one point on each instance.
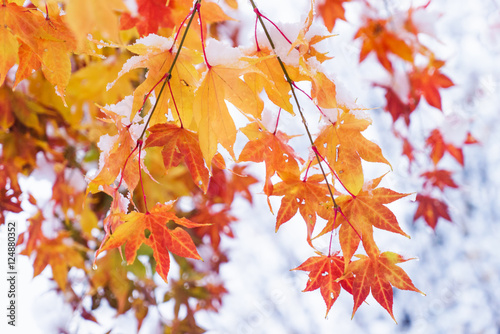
(221, 53)
(154, 40)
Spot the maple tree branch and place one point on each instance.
(292, 88)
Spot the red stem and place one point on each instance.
(281, 32)
(175, 104)
(47, 11)
(198, 5)
(139, 142)
(307, 170)
(125, 165)
(331, 234)
(156, 84)
(310, 98)
(277, 120)
(347, 220)
(255, 33)
(179, 30)
(333, 171)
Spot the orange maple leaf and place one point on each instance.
(151, 228)
(326, 273)
(379, 274)
(271, 148)
(215, 124)
(377, 38)
(431, 209)
(271, 78)
(439, 147)
(310, 197)
(440, 178)
(331, 11)
(343, 146)
(427, 81)
(179, 143)
(360, 215)
(60, 255)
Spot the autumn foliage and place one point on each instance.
(136, 113)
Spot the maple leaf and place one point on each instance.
(343, 146)
(224, 185)
(377, 38)
(396, 107)
(271, 78)
(331, 11)
(440, 178)
(431, 209)
(215, 124)
(271, 148)
(157, 58)
(151, 228)
(326, 273)
(94, 16)
(152, 14)
(118, 156)
(379, 274)
(439, 147)
(61, 254)
(179, 143)
(427, 81)
(360, 215)
(310, 197)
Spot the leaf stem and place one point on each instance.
(277, 121)
(140, 142)
(255, 33)
(333, 171)
(125, 165)
(175, 104)
(179, 31)
(259, 14)
(198, 6)
(310, 98)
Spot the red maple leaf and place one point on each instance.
(427, 81)
(379, 274)
(153, 14)
(331, 10)
(439, 147)
(440, 178)
(325, 273)
(431, 209)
